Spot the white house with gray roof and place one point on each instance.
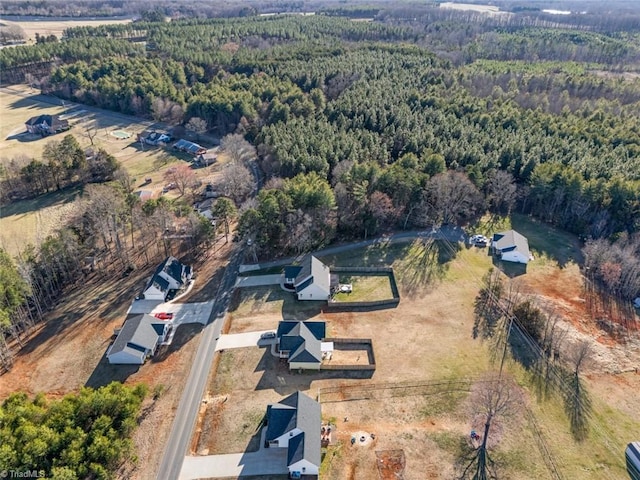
(138, 339)
(301, 343)
(294, 423)
(170, 275)
(311, 279)
(510, 246)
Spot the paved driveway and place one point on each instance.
(242, 340)
(259, 280)
(182, 312)
(266, 461)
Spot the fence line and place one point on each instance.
(391, 390)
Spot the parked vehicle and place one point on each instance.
(478, 240)
(164, 315)
(267, 335)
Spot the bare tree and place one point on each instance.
(500, 191)
(448, 198)
(182, 176)
(577, 402)
(493, 400)
(238, 148)
(198, 126)
(90, 132)
(237, 181)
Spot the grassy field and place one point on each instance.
(365, 288)
(33, 220)
(429, 337)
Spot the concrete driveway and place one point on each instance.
(182, 312)
(259, 280)
(243, 340)
(266, 461)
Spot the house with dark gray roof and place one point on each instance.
(170, 275)
(301, 343)
(311, 280)
(138, 339)
(510, 246)
(294, 423)
(46, 124)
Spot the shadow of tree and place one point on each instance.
(425, 263)
(577, 406)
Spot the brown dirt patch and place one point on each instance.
(68, 352)
(391, 464)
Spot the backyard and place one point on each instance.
(428, 338)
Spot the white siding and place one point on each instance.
(125, 358)
(309, 468)
(304, 366)
(514, 257)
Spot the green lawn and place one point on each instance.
(366, 288)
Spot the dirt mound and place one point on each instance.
(391, 464)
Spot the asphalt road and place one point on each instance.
(187, 412)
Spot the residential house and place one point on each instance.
(294, 423)
(170, 275)
(205, 159)
(189, 147)
(311, 280)
(156, 138)
(46, 124)
(138, 339)
(301, 343)
(510, 246)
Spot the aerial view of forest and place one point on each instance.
(333, 122)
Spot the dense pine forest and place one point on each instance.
(413, 118)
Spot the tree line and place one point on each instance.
(83, 435)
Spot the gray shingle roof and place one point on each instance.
(509, 241)
(172, 267)
(307, 418)
(302, 340)
(139, 332)
(313, 271)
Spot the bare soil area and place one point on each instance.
(68, 352)
(427, 337)
(349, 354)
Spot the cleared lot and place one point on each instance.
(428, 337)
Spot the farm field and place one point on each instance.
(56, 27)
(427, 338)
(35, 219)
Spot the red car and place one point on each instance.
(164, 315)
